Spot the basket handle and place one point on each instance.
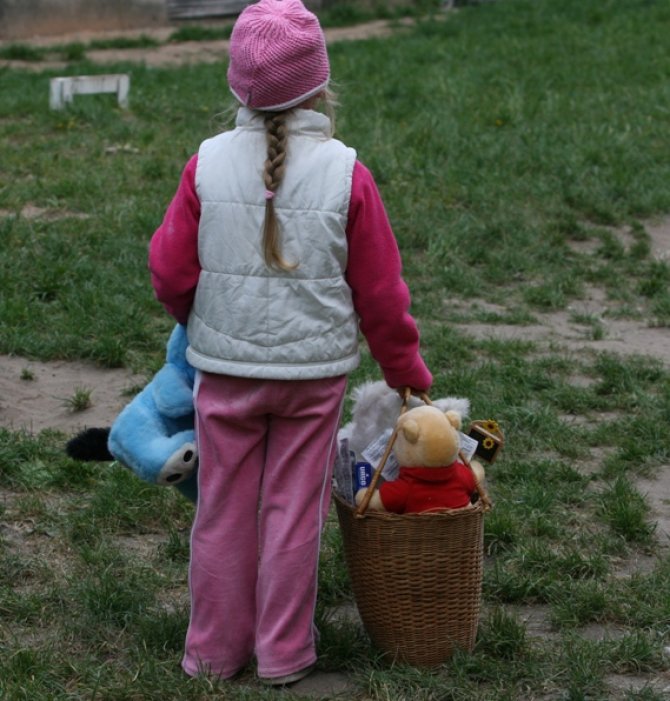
(363, 506)
(487, 504)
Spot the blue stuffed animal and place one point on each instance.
(154, 434)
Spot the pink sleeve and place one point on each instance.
(381, 297)
(173, 251)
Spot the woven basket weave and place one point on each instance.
(416, 578)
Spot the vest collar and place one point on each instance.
(303, 121)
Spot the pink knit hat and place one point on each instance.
(278, 56)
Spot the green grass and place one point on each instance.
(20, 52)
(80, 400)
(521, 150)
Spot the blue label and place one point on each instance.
(362, 475)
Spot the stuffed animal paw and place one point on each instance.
(179, 466)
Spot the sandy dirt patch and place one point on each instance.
(34, 396)
(575, 328)
(558, 330)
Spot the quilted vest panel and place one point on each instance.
(248, 319)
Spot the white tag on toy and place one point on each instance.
(374, 452)
(468, 446)
(342, 471)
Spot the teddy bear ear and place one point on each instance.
(454, 418)
(410, 430)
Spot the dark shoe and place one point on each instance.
(288, 678)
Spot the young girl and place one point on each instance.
(275, 250)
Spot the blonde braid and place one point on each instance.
(275, 167)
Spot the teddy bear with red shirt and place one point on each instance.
(432, 477)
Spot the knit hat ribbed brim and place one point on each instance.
(278, 56)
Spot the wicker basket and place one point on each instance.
(416, 578)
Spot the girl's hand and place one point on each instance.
(406, 392)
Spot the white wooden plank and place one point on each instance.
(63, 89)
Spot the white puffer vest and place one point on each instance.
(249, 320)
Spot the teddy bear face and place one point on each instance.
(427, 437)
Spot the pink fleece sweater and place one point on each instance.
(374, 273)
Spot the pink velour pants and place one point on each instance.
(267, 449)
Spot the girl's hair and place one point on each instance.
(275, 166)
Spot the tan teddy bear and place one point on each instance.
(431, 475)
